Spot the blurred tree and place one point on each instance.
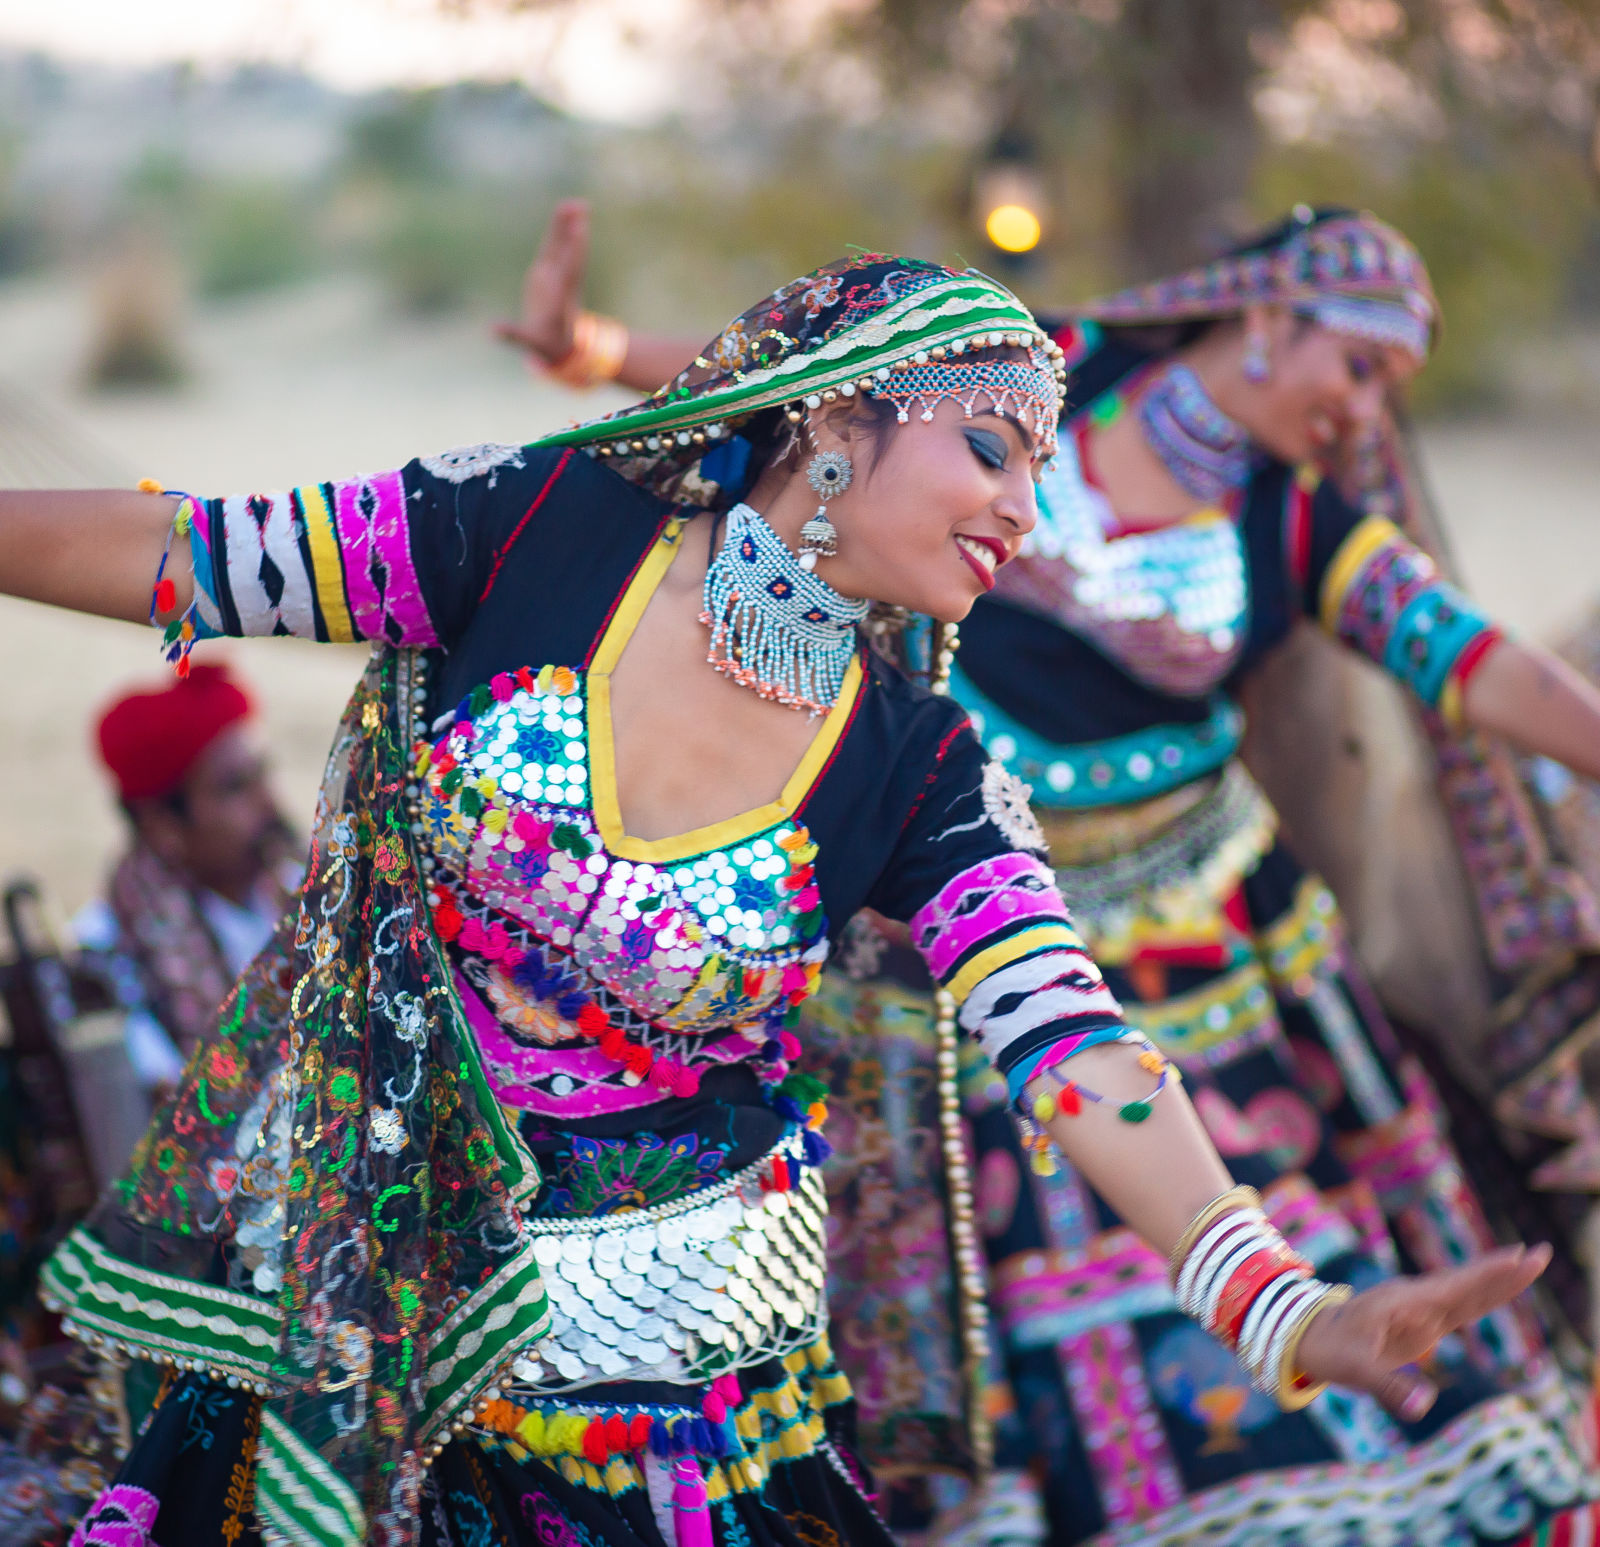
(1172, 85)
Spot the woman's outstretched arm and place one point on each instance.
(1160, 1173)
(1538, 702)
(93, 550)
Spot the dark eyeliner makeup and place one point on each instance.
(989, 449)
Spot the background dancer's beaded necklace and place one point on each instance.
(775, 627)
(1207, 453)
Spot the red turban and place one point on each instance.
(151, 740)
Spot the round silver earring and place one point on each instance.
(1256, 365)
(829, 473)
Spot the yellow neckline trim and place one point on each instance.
(602, 745)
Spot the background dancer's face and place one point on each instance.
(1322, 386)
(934, 507)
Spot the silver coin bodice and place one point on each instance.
(1168, 606)
(725, 1277)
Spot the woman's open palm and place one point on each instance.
(1372, 1341)
(552, 286)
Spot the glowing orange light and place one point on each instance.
(1013, 228)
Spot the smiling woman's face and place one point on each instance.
(1323, 387)
(934, 508)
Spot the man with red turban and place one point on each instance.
(204, 880)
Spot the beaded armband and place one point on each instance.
(1385, 597)
(1066, 1098)
(180, 632)
(1237, 1276)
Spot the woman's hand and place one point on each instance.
(1369, 1342)
(552, 286)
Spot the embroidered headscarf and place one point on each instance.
(902, 329)
(334, 1152)
(1348, 271)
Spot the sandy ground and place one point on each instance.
(322, 382)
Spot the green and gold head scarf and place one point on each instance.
(898, 328)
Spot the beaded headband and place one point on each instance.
(1379, 322)
(1341, 257)
(1028, 389)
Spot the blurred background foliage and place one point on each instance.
(1148, 133)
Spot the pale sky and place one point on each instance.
(603, 58)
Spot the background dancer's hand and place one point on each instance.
(552, 287)
(1372, 1341)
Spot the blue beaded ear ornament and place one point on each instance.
(829, 473)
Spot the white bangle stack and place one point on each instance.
(1237, 1276)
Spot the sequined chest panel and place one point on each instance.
(555, 928)
(1169, 606)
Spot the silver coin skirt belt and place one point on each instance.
(724, 1278)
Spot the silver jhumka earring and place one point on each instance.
(829, 473)
(1257, 364)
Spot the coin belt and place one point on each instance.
(724, 1278)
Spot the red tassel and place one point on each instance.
(594, 1442)
(617, 1433)
(639, 1431)
(166, 594)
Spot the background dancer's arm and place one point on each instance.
(1373, 589)
(93, 550)
(1538, 702)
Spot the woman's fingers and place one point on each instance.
(551, 286)
(1405, 1392)
(1372, 1342)
(1462, 1295)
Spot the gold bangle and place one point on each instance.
(1291, 1397)
(1233, 1198)
(599, 346)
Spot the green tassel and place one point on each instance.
(470, 802)
(1135, 1111)
(480, 699)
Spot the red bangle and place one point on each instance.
(1473, 656)
(1240, 1292)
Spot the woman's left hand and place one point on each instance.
(1373, 1341)
(552, 286)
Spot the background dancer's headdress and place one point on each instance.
(902, 329)
(1349, 271)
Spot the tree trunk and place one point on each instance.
(1186, 129)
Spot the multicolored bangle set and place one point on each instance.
(181, 630)
(1237, 1276)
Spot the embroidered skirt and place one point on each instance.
(1141, 1428)
(190, 1479)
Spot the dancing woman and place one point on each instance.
(491, 1213)
(1190, 516)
